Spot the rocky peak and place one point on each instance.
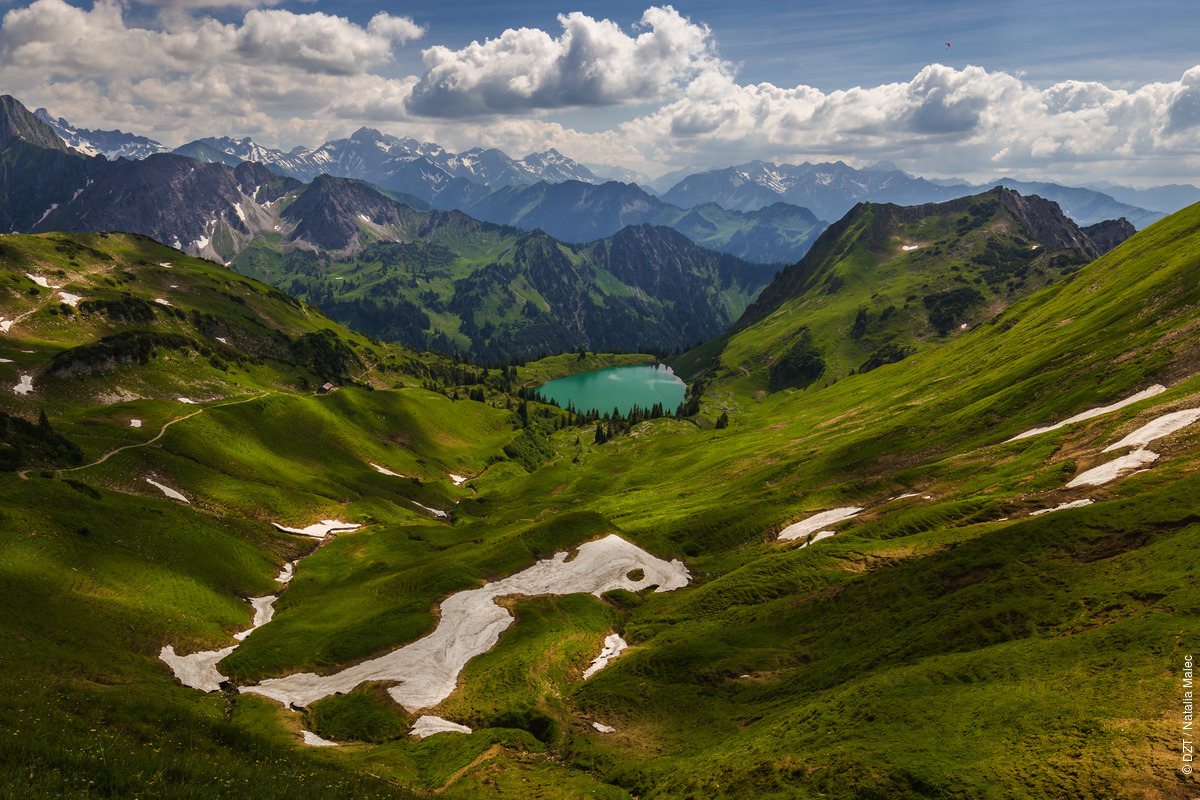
(1046, 222)
(17, 123)
(1111, 232)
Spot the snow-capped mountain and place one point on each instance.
(110, 144)
(830, 190)
(387, 160)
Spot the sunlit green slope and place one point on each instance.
(888, 281)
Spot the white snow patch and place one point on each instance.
(365, 219)
(135, 423)
(903, 496)
(165, 263)
(198, 670)
(312, 740)
(40, 281)
(600, 726)
(471, 623)
(911, 247)
(168, 491)
(46, 213)
(1095, 412)
(1063, 507)
(963, 327)
(162, 302)
(201, 243)
(458, 480)
(6, 361)
(384, 470)
(428, 726)
(237, 207)
(818, 536)
(264, 610)
(436, 512)
(70, 299)
(1104, 473)
(187, 400)
(613, 645)
(1156, 429)
(221, 339)
(25, 386)
(818, 521)
(319, 530)
(5, 324)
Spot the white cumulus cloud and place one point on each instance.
(943, 121)
(592, 63)
(70, 42)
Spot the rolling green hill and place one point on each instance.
(951, 640)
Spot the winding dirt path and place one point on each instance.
(162, 431)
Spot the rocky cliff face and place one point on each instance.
(1110, 233)
(175, 200)
(1046, 223)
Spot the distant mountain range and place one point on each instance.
(460, 180)
(426, 278)
(830, 190)
(112, 144)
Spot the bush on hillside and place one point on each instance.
(801, 363)
(23, 443)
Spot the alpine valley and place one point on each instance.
(283, 514)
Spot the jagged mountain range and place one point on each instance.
(112, 144)
(830, 190)
(450, 180)
(186, 213)
(497, 293)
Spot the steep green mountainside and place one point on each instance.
(990, 611)
(889, 281)
(445, 280)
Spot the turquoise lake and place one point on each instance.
(617, 387)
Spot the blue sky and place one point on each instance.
(834, 45)
(1052, 89)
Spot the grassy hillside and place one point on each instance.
(889, 281)
(948, 641)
